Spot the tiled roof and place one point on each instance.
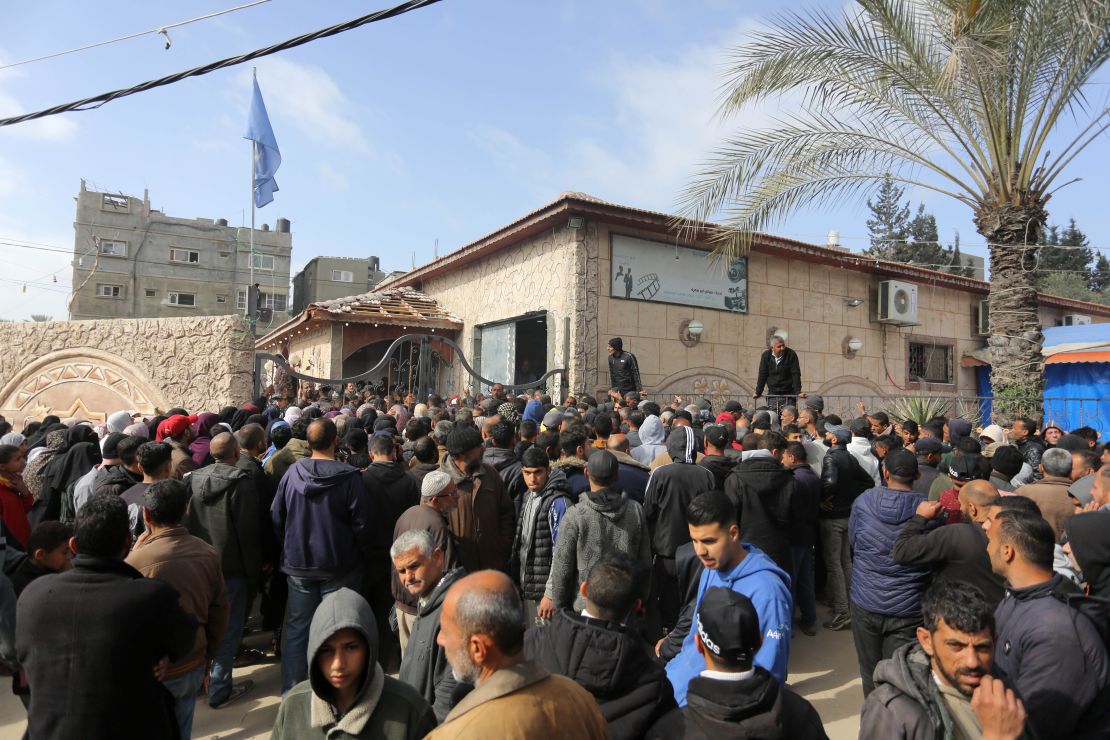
(405, 303)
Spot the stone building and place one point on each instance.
(551, 287)
(132, 261)
(328, 278)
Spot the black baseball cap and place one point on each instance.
(734, 406)
(860, 427)
(718, 435)
(602, 466)
(927, 445)
(965, 467)
(728, 625)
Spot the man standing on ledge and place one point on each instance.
(624, 371)
(780, 372)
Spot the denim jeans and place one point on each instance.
(184, 689)
(877, 636)
(838, 562)
(802, 580)
(219, 685)
(305, 594)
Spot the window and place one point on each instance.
(109, 291)
(150, 292)
(113, 248)
(262, 261)
(182, 299)
(117, 203)
(276, 301)
(931, 363)
(187, 256)
(342, 276)
(221, 299)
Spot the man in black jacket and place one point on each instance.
(957, 552)
(718, 438)
(100, 620)
(396, 491)
(1052, 638)
(670, 490)
(603, 654)
(733, 698)
(224, 512)
(928, 451)
(762, 491)
(624, 371)
(500, 454)
(781, 373)
(842, 480)
(116, 479)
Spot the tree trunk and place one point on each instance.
(1017, 367)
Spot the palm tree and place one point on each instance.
(960, 97)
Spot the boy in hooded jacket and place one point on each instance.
(347, 694)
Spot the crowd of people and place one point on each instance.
(521, 567)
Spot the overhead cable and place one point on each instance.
(161, 29)
(98, 100)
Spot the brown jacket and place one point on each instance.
(484, 522)
(191, 566)
(181, 460)
(523, 703)
(1051, 495)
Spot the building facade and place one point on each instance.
(547, 292)
(132, 261)
(328, 278)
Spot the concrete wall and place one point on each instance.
(90, 369)
(314, 283)
(222, 271)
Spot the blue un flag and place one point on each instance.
(267, 157)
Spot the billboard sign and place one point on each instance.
(643, 270)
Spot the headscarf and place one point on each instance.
(118, 421)
(292, 413)
(238, 420)
(420, 411)
(258, 419)
(203, 439)
(1089, 536)
(33, 474)
(533, 411)
(38, 439)
(63, 470)
(81, 433)
(137, 430)
(152, 426)
(15, 439)
(227, 413)
(401, 414)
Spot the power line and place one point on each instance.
(160, 29)
(98, 100)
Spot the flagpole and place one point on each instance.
(250, 285)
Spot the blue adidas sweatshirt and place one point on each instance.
(768, 586)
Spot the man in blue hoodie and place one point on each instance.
(744, 569)
(885, 597)
(319, 514)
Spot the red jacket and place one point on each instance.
(13, 510)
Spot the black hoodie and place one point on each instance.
(391, 482)
(720, 466)
(670, 490)
(763, 491)
(610, 661)
(755, 707)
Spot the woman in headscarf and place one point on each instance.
(37, 438)
(15, 439)
(15, 499)
(202, 438)
(1088, 547)
(36, 465)
(137, 430)
(118, 421)
(227, 413)
(62, 474)
(401, 414)
(292, 413)
(239, 419)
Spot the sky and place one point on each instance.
(443, 124)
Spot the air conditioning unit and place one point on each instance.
(983, 319)
(897, 303)
(1076, 319)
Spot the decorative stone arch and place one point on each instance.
(850, 385)
(81, 382)
(711, 382)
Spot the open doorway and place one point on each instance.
(514, 351)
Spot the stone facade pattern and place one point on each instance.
(93, 368)
(545, 272)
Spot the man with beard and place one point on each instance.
(943, 679)
(543, 505)
(419, 565)
(484, 522)
(482, 632)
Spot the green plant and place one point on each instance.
(920, 409)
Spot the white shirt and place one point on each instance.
(722, 676)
